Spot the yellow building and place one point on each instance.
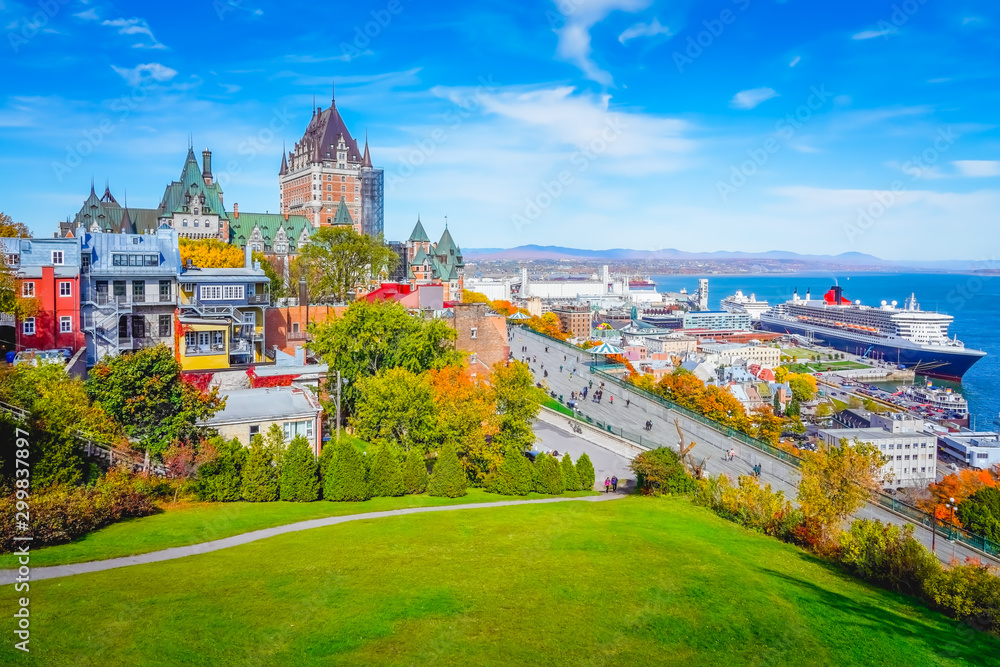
(221, 314)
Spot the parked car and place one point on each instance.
(38, 357)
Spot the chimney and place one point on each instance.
(286, 216)
(248, 263)
(236, 210)
(206, 166)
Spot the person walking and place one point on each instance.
(611, 399)
(607, 484)
(614, 483)
(627, 401)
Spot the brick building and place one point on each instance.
(48, 272)
(285, 326)
(575, 320)
(326, 168)
(481, 333)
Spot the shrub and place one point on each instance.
(219, 478)
(349, 480)
(259, 474)
(887, 555)
(548, 475)
(448, 479)
(513, 476)
(299, 473)
(660, 471)
(969, 592)
(415, 472)
(585, 472)
(326, 458)
(385, 476)
(570, 479)
(750, 504)
(63, 513)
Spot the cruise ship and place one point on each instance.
(738, 303)
(910, 337)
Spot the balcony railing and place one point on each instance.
(214, 348)
(257, 299)
(296, 335)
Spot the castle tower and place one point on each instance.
(325, 168)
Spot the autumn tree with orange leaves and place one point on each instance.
(959, 486)
(466, 416)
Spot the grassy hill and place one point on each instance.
(633, 582)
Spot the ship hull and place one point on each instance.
(933, 363)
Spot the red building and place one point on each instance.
(48, 272)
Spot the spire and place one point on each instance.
(92, 193)
(367, 160)
(284, 160)
(314, 105)
(333, 94)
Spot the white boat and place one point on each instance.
(738, 303)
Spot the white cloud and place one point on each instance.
(574, 37)
(872, 34)
(144, 73)
(89, 15)
(795, 61)
(978, 168)
(650, 29)
(748, 99)
(135, 26)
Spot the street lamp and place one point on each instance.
(341, 381)
(951, 519)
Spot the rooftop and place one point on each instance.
(266, 404)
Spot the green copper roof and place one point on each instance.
(343, 216)
(180, 195)
(241, 228)
(418, 235)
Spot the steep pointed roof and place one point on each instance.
(446, 246)
(269, 224)
(284, 163)
(126, 226)
(343, 216)
(108, 198)
(178, 196)
(418, 235)
(366, 161)
(323, 134)
(419, 257)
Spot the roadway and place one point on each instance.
(623, 409)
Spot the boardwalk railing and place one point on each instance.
(905, 510)
(95, 449)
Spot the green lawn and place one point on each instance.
(192, 523)
(632, 582)
(822, 366)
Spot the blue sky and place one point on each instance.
(728, 125)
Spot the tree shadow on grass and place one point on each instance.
(946, 638)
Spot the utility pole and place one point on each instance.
(338, 407)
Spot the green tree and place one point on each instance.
(219, 478)
(11, 300)
(57, 410)
(793, 410)
(385, 476)
(337, 261)
(395, 409)
(516, 405)
(980, 512)
(447, 479)
(349, 481)
(802, 389)
(585, 472)
(570, 479)
(327, 458)
(415, 472)
(145, 393)
(371, 336)
(259, 473)
(661, 471)
(277, 279)
(548, 475)
(513, 476)
(299, 472)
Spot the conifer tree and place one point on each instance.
(448, 479)
(386, 475)
(513, 477)
(327, 456)
(220, 479)
(548, 475)
(585, 473)
(350, 478)
(299, 473)
(415, 472)
(570, 479)
(260, 474)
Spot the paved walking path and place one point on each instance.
(56, 571)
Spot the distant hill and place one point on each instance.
(847, 259)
